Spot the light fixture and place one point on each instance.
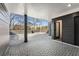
(69, 5)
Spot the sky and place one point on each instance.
(37, 21)
(20, 19)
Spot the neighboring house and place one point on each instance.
(18, 27)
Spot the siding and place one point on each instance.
(4, 28)
(68, 29)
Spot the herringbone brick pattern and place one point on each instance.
(40, 45)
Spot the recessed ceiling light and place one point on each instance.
(69, 5)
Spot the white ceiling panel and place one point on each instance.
(15, 8)
(42, 10)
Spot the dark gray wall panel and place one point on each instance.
(76, 24)
(68, 29)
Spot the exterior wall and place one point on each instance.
(52, 29)
(4, 28)
(49, 28)
(68, 29)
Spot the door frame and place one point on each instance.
(60, 29)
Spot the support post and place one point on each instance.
(25, 28)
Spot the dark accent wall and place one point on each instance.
(68, 29)
(76, 30)
(54, 28)
(68, 32)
